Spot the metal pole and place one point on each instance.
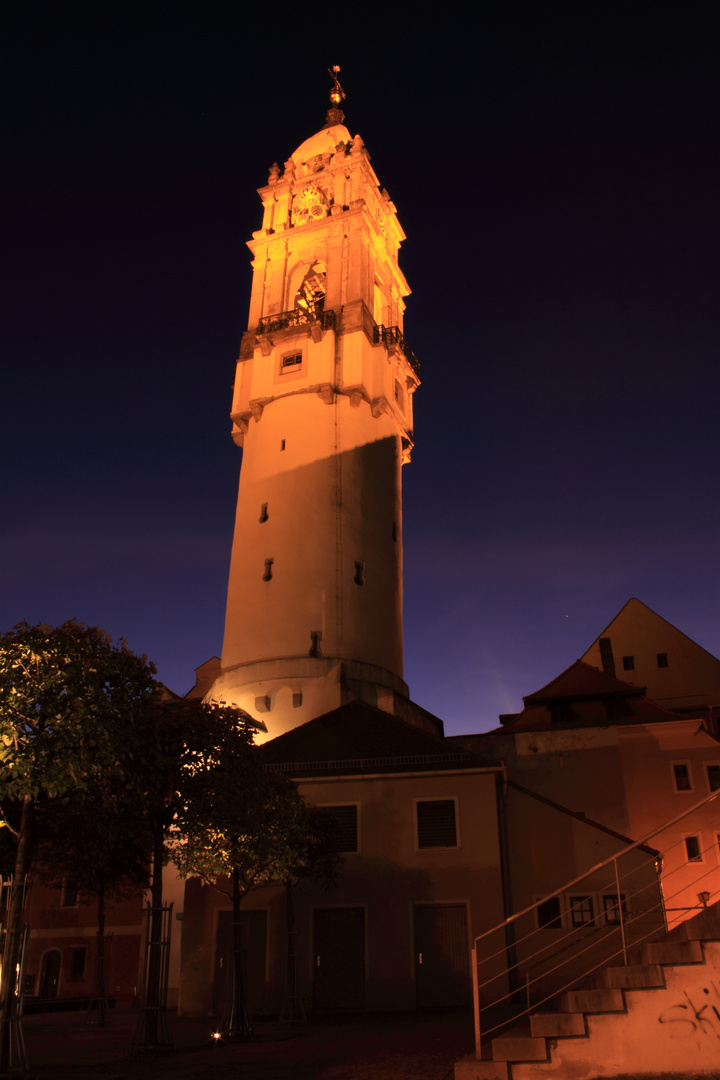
(620, 910)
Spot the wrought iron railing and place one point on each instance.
(390, 335)
(271, 324)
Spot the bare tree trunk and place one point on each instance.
(100, 990)
(13, 939)
(239, 1023)
(154, 970)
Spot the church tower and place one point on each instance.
(322, 408)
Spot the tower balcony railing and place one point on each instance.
(389, 336)
(285, 320)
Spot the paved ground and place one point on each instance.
(406, 1046)
(399, 1046)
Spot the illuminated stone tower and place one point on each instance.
(323, 410)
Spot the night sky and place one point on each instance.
(555, 167)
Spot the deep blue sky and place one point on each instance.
(556, 172)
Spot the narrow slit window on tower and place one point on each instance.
(394, 531)
(268, 569)
(315, 639)
(359, 573)
(263, 512)
(399, 396)
(282, 444)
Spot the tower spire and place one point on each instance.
(335, 115)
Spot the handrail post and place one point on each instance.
(620, 911)
(476, 1003)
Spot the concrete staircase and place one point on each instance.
(658, 1015)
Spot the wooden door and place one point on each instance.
(50, 974)
(339, 958)
(442, 964)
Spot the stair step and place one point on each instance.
(673, 952)
(704, 927)
(634, 976)
(519, 1048)
(469, 1068)
(557, 1025)
(592, 1001)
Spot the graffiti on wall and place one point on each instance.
(697, 1017)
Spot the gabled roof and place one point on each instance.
(580, 681)
(582, 696)
(358, 738)
(579, 816)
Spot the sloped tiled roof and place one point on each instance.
(358, 738)
(582, 696)
(581, 680)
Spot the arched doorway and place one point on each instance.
(50, 974)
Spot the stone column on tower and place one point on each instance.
(322, 407)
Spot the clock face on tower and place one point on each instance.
(309, 204)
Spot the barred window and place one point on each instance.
(345, 833)
(436, 824)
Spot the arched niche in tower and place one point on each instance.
(307, 287)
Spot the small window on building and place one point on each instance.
(297, 700)
(282, 444)
(628, 663)
(359, 573)
(692, 849)
(69, 896)
(268, 569)
(436, 824)
(76, 963)
(581, 911)
(399, 395)
(292, 360)
(263, 512)
(713, 775)
(548, 914)
(315, 639)
(345, 831)
(682, 777)
(613, 906)
(662, 659)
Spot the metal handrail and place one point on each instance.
(626, 920)
(606, 862)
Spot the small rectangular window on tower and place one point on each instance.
(268, 569)
(692, 849)
(292, 360)
(359, 573)
(263, 512)
(628, 663)
(662, 659)
(315, 639)
(713, 775)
